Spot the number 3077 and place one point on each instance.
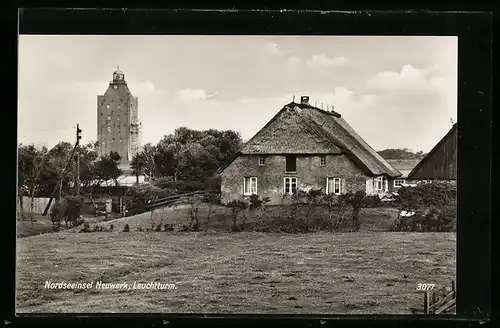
(426, 286)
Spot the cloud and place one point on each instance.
(190, 95)
(410, 79)
(273, 48)
(322, 60)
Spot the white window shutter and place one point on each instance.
(326, 190)
(369, 186)
(342, 186)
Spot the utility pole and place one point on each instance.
(77, 159)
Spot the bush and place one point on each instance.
(126, 228)
(138, 196)
(236, 207)
(433, 205)
(281, 224)
(436, 194)
(86, 227)
(212, 183)
(372, 201)
(432, 219)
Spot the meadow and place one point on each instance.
(364, 272)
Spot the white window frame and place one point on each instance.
(375, 180)
(290, 179)
(335, 180)
(400, 185)
(322, 160)
(262, 161)
(251, 192)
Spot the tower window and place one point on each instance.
(107, 106)
(115, 86)
(102, 114)
(112, 139)
(118, 106)
(120, 140)
(109, 129)
(109, 117)
(118, 118)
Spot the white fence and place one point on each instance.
(39, 204)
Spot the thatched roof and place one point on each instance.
(305, 129)
(441, 162)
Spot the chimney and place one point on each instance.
(304, 100)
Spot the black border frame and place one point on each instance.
(474, 31)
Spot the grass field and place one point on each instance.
(42, 224)
(372, 219)
(248, 272)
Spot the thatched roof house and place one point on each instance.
(441, 162)
(303, 146)
(305, 129)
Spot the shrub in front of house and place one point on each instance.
(372, 201)
(431, 219)
(427, 208)
(436, 194)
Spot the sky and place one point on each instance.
(396, 92)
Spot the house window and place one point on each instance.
(262, 161)
(109, 117)
(102, 114)
(378, 184)
(112, 139)
(249, 185)
(290, 185)
(333, 186)
(291, 163)
(118, 118)
(398, 183)
(322, 160)
(109, 129)
(107, 106)
(118, 106)
(120, 140)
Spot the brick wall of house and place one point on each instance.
(270, 178)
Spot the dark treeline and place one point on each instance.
(400, 153)
(184, 156)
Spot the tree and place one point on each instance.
(356, 200)
(236, 206)
(88, 154)
(31, 165)
(106, 169)
(144, 162)
(191, 155)
(58, 157)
